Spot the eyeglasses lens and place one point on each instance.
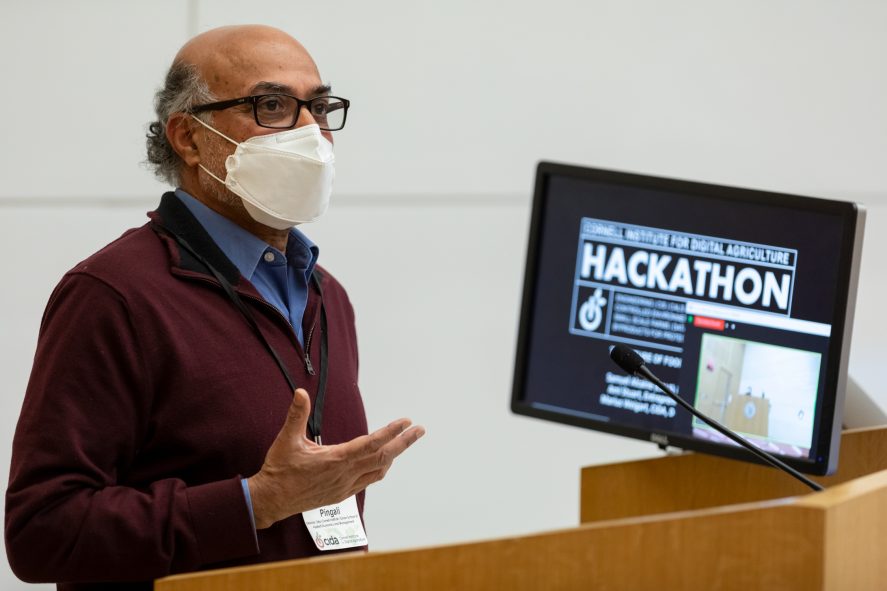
(276, 110)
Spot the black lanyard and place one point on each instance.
(316, 419)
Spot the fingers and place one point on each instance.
(370, 444)
(375, 468)
(379, 449)
(385, 456)
(399, 444)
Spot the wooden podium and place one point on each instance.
(688, 521)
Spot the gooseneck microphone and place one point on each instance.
(630, 361)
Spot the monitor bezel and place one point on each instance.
(829, 431)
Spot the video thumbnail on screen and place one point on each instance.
(766, 392)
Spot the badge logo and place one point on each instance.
(591, 312)
(319, 541)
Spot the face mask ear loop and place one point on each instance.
(214, 130)
(206, 170)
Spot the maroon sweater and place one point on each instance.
(149, 399)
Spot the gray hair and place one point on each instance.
(183, 89)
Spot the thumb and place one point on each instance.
(297, 414)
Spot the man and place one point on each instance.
(160, 432)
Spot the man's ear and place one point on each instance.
(179, 133)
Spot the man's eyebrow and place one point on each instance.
(274, 87)
(270, 87)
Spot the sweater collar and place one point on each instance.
(244, 249)
(175, 217)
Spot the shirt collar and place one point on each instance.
(245, 249)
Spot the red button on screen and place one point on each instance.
(711, 323)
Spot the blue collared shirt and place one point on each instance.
(281, 279)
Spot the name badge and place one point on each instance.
(335, 527)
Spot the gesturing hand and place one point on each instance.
(299, 475)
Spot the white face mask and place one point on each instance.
(283, 178)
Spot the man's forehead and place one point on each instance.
(236, 60)
(249, 76)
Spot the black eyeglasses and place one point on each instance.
(281, 111)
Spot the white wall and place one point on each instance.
(454, 102)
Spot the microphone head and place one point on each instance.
(626, 358)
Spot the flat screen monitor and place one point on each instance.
(741, 300)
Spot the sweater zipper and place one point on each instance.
(308, 364)
(309, 367)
